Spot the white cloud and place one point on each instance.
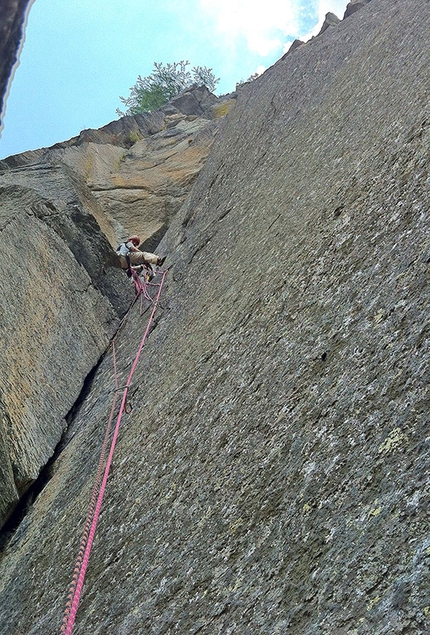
(262, 24)
(334, 6)
(329, 6)
(267, 24)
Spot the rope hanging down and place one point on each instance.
(100, 482)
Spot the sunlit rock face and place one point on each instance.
(140, 189)
(271, 476)
(137, 170)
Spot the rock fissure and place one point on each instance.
(37, 486)
(27, 500)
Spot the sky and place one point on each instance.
(80, 56)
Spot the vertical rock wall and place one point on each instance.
(271, 477)
(63, 211)
(61, 302)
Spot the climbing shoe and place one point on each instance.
(160, 261)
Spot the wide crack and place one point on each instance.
(27, 500)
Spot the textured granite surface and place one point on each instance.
(271, 477)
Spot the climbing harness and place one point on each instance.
(100, 480)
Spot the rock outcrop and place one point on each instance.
(330, 20)
(354, 6)
(295, 45)
(12, 18)
(137, 171)
(271, 476)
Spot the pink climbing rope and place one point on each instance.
(94, 508)
(140, 286)
(91, 507)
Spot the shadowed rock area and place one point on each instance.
(271, 477)
(59, 310)
(12, 18)
(354, 6)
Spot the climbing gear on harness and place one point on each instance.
(138, 270)
(139, 284)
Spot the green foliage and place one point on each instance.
(164, 83)
(203, 76)
(247, 81)
(147, 99)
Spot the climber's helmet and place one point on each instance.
(135, 240)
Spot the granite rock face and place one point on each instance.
(61, 303)
(141, 190)
(82, 194)
(271, 476)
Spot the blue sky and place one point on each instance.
(79, 56)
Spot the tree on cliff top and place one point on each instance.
(164, 83)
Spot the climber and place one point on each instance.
(131, 258)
